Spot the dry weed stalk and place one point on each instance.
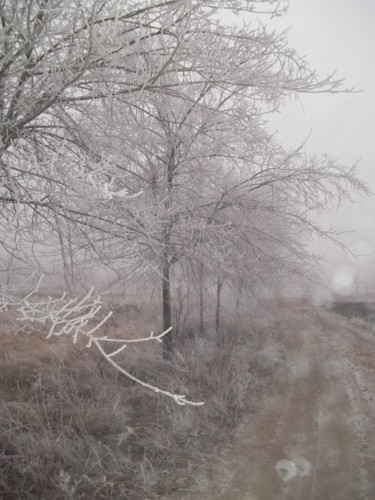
(78, 317)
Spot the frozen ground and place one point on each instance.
(313, 435)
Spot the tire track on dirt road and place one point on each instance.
(313, 438)
(359, 381)
(338, 466)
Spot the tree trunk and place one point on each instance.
(166, 282)
(201, 302)
(167, 313)
(238, 298)
(220, 282)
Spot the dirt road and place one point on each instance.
(313, 436)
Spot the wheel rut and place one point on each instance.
(313, 436)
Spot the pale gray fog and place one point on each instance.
(339, 35)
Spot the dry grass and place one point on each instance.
(72, 428)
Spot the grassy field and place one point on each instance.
(71, 427)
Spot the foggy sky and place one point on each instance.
(338, 35)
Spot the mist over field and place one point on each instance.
(187, 295)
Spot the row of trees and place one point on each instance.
(134, 134)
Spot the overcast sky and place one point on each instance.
(339, 35)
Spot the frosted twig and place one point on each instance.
(144, 339)
(180, 399)
(74, 317)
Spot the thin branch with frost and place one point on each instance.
(129, 341)
(178, 398)
(106, 191)
(79, 318)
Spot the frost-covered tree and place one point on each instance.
(61, 59)
(212, 187)
(134, 132)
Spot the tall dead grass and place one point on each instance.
(73, 428)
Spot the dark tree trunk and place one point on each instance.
(167, 313)
(166, 283)
(219, 286)
(238, 298)
(201, 302)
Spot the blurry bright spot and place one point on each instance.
(290, 469)
(343, 279)
(286, 469)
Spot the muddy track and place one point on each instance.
(313, 436)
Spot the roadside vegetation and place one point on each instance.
(71, 427)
